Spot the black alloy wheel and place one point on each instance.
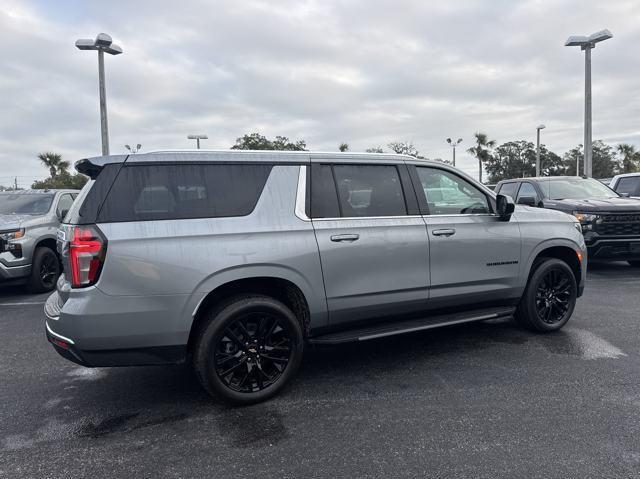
(253, 352)
(553, 295)
(247, 349)
(45, 270)
(549, 297)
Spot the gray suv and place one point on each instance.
(236, 260)
(29, 220)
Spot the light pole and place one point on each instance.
(103, 44)
(198, 138)
(453, 145)
(587, 44)
(538, 128)
(133, 149)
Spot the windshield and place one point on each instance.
(576, 189)
(24, 204)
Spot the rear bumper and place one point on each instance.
(621, 249)
(79, 331)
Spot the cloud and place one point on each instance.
(365, 72)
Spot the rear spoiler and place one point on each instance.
(93, 166)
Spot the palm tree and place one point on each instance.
(54, 162)
(482, 150)
(629, 157)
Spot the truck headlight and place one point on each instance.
(7, 244)
(9, 235)
(586, 220)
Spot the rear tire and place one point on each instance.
(549, 298)
(248, 349)
(45, 270)
(634, 263)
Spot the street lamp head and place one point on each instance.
(459, 141)
(102, 42)
(600, 36)
(590, 41)
(197, 137)
(86, 44)
(540, 127)
(449, 140)
(576, 41)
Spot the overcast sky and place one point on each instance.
(363, 72)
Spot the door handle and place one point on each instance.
(349, 238)
(447, 232)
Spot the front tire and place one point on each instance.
(248, 349)
(45, 270)
(549, 298)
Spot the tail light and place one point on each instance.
(87, 252)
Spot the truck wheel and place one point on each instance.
(45, 269)
(248, 349)
(634, 263)
(549, 298)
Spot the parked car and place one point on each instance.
(627, 184)
(610, 222)
(29, 220)
(235, 260)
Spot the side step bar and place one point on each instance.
(401, 327)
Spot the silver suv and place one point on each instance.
(236, 260)
(29, 220)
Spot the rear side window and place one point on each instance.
(630, 185)
(527, 189)
(324, 197)
(508, 189)
(369, 190)
(181, 191)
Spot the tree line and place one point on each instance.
(513, 159)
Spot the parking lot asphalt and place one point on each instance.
(482, 400)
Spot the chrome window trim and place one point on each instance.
(368, 218)
(301, 194)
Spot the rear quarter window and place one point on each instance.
(508, 189)
(181, 191)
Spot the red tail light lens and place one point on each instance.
(87, 250)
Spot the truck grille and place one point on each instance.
(619, 224)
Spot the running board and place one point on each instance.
(401, 327)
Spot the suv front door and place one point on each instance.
(373, 243)
(474, 256)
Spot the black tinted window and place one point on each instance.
(630, 184)
(178, 191)
(324, 198)
(508, 189)
(369, 190)
(527, 189)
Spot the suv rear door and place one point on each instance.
(474, 255)
(373, 242)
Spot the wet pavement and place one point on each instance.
(481, 400)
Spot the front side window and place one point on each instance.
(64, 205)
(369, 190)
(25, 204)
(178, 191)
(629, 185)
(508, 189)
(528, 190)
(449, 194)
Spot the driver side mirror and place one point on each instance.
(527, 200)
(505, 207)
(61, 214)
